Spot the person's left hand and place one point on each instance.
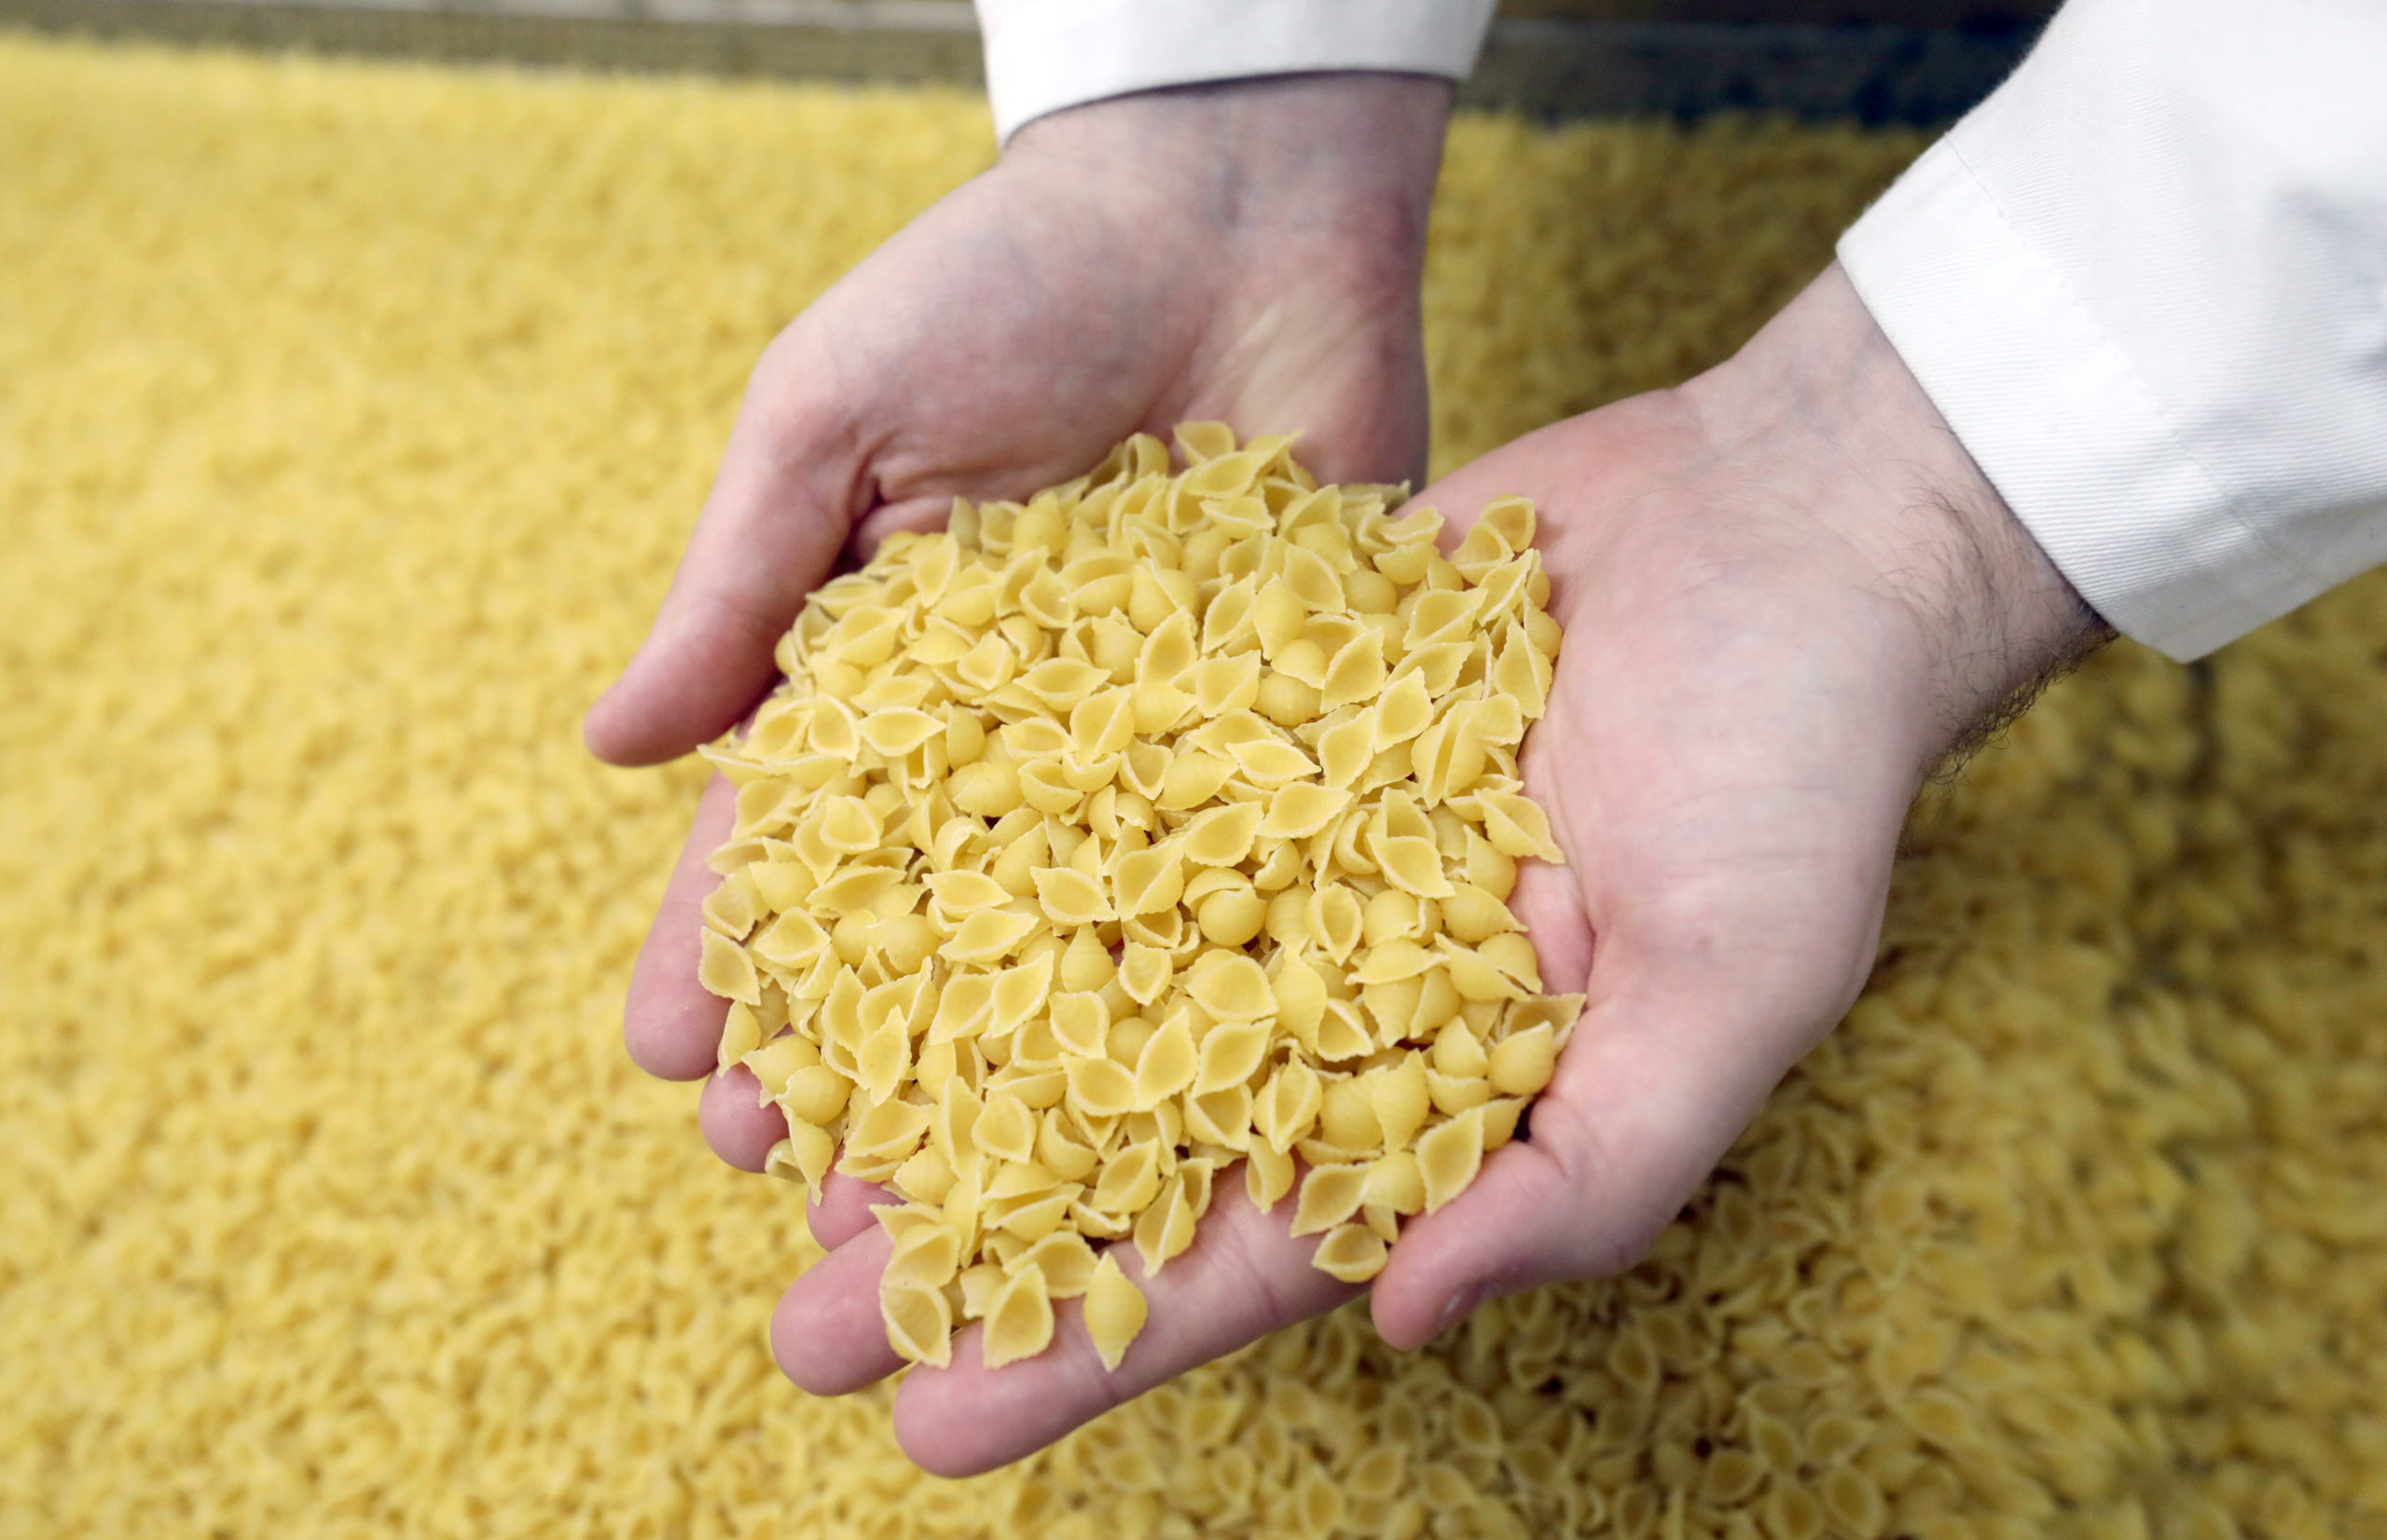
(1787, 594)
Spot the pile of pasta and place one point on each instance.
(1099, 842)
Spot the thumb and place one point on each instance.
(779, 511)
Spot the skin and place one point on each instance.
(1787, 595)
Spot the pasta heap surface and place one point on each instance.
(1099, 842)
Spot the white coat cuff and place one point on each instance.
(1043, 55)
(2057, 418)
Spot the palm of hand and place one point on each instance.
(1716, 768)
(1002, 342)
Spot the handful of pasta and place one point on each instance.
(1162, 822)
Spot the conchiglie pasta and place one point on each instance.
(1114, 1311)
(1162, 820)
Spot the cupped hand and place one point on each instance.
(1787, 595)
(1246, 253)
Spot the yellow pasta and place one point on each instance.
(1448, 1156)
(1019, 1319)
(1114, 1311)
(1165, 1227)
(1164, 819)
(1521, 1064)
(1352, 1253)
(919, 1321)
(1167, 1065)
(1330, 1195)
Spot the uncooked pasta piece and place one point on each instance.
(1019, 1319)
(1071, 897)
(727, 970)
(1101, 1087)
(1402, 1101)
(1163, 820)
(1081, 1022)
(1231, 986)
(1005, 1129)
(1448, 1156)
(1167, 1065)
(1353, 1253)
(1165, 1227)
(919, 1321)
(1330, 1195)
(1221, 836)
(928, 1256)
(1268, 1174)
(1129, 1180)
(1065, 1259)
(1521, 1063)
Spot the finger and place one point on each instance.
(1243, 1278)
(779, 512)
(671, 1024)
(840, 1210)
(826, 1332)
(1634, 1120)
(737, 1122)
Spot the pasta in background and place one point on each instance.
(343, 411)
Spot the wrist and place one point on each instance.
(1271, 164)
(1821, 399)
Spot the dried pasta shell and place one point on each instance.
(1521, 1063)
(1149, 881)
(1006, 1129)
(1069, 896)
(1221, 836)
(1167, 1065)
(1352, 1253)
(1301, 810)
(1268, 1175)
(1165, 1228)
(1129, 1181)
(1115, 1312)
(725, 970)
(1144, 972)
(1018, 1320)
(1330, 1195)
(1100, 1088)
(1401, 1102)
(1449, 1155)
(1231, 1051)
(1231, 986)
(919, 1323)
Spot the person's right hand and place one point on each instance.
(1248, 252)
(1787, 592)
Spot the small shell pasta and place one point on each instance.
(1163, 821)
(1019, 1319)
(1114, 1311)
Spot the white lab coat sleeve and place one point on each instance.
(2146, 281)
(1043, 55)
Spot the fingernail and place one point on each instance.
(1461, 1302)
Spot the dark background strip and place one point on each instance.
(1913, 61)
